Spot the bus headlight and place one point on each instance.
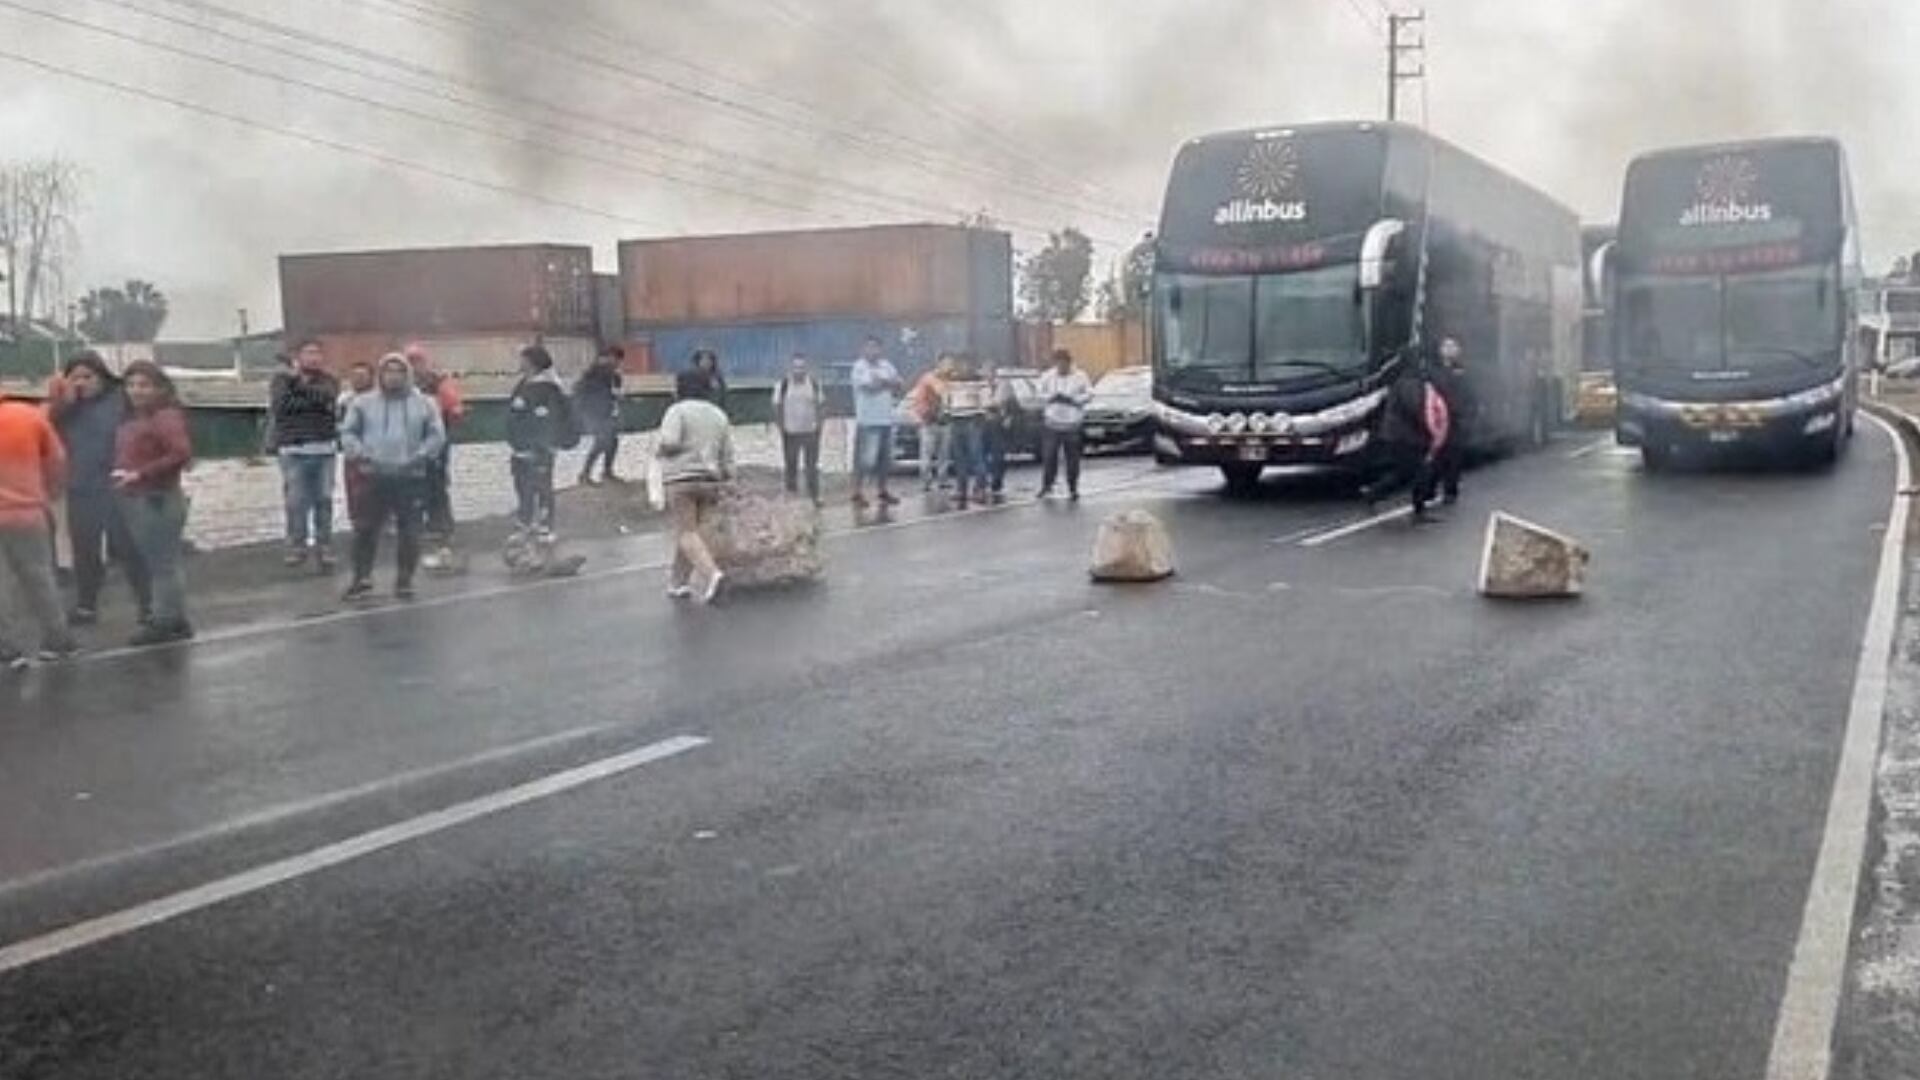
(1820, 423)
(1353, 442)
(1259, 424)
(1237, 423)
(1216, 423)
(1814, 398)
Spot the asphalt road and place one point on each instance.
(1307, 811)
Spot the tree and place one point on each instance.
(1055, 281)
(135, 313)
(1123, 294)
(979, 219)
(38, 201)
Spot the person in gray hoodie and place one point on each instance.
(393, 434)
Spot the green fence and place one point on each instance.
(33, 360)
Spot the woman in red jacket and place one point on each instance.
(151, 451)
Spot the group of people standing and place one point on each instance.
(115, 448)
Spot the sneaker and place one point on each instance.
(324, 561)
(295, 558)
(859, 500)
(612, 477)
(403, 591)
(888, 498)
(161, 635)
(82, 616)
(679, 592)
(1045, 493)
(359, 590)
(714, 586)
(14, 661)
(1073, 496)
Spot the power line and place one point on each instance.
(67, 72)
(1008, 143)
(407, 111)
(877, 199)
(911, 151)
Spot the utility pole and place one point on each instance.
(1406, 55)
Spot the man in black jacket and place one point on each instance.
(1450, 378)
(1405, 444)
(306, 425)
(540, 423)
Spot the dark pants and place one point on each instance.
(439, 496)
(533, 488)
(99, 533)
(968, 450)
(999, 441)
(797, 447)
(1053, 445)
(1447, 467)
(606, 446)
(157, 521)
(389, 497)
(1407, 468)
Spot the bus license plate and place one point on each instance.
(1253, 452)
(1723, 436)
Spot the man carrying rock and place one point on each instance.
(695, 445)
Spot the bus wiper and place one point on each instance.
(1810, 359)
(1316, 365)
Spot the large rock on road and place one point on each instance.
(763, 539)
(1522, 560)
(1132, 546)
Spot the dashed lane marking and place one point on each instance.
(80, 935)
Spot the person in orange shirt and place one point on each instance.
(33, 471)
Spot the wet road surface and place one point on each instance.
(1310, 810)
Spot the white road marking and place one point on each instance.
(1593, 447)
(280, 626)
(1803, 1035)
(94, 931)
(274, 815)
(1344, 531)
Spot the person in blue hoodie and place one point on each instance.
(540, 424)
(87, 416)
(393, 435)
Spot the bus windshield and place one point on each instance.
(1272, 327)
(1765, 322)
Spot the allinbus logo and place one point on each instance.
(1726, 190)
(1264, 186)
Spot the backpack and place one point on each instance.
(1439, 421)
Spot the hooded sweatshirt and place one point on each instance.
(393, 434)
(540, 416)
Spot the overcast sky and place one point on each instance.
(555, 120)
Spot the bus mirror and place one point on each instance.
(1376, 252)
(1597, 269)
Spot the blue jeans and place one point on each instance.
(873, 453)
(309, 490)
(969, 450)
(156, 520)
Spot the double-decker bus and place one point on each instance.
(1735, 284)
(1296, 269)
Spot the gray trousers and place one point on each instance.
(27, 589)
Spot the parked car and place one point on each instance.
(1025, 436)
(1120, 416)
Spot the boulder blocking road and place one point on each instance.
(1310, 809)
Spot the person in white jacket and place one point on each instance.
(1066, 390)
(695, 446)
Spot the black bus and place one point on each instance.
(1296, 268)
(1735, 281)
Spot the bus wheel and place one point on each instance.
(1655, 457)
(1241, 479)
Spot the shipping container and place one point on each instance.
(609, 309)
(1097, 348)
(466, 356)
(527, 289)
(880, 272)
(762, 350)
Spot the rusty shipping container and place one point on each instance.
(526, 289)
(879, 272)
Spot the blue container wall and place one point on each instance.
(762, 350)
